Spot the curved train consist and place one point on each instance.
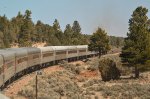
(19, 61)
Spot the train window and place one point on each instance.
(22, 60)
(10, 64)
(82, 50)
(47, 54)
(35, 56)
(72, 51)
(62, 52)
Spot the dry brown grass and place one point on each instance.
(76, 81)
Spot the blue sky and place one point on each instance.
(112, 15)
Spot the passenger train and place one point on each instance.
(19, 61)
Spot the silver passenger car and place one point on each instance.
(60, 52)
(91, 52)
(34, 56)
(72, 51)
(47, 54)
(8, 64)
(21, 56)
(82, 50)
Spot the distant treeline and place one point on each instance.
(116, 41)
(22, 31)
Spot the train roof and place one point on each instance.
(82, 46)
(48, 48)
(68, 47)
(32, 50)
(7, 54)
(57, 48)
(71, 47)
(19, 51)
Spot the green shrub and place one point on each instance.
(91, 82)
(77, 70)
(108, 69)
(92, 68)
(96, 97)
(78, 64)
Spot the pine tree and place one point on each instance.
(17, 22)
(26, 30)
(39, 31)
(99, 41)
(58, 33)
(136, 49)
(117, 42)
(68, 34)
(2, 40)
(76, 29)
(56, 25)
(6, 29)
(22, 31)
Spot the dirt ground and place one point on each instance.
(91, 84)
(13, 89)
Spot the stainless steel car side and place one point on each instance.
(8, 64)
(34, 56)
(60, 52)
(17, 60)
(47, 54)
(72, 51)
(82, 50)
(21, 56)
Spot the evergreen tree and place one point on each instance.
(48, 31)
(22, 31)
(136, 50)
(26, 30)
(5, 28)
(39, 31)
(108, 69)
(68, 34)
(53, 41)
(117, 42)
(58, 33)
(76, 35)
(99, 41)
(2, 40)
(16, 23)
(68, 31)
(51, 37)
(56, 25)
(76, 29)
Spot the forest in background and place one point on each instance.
(22, 31)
